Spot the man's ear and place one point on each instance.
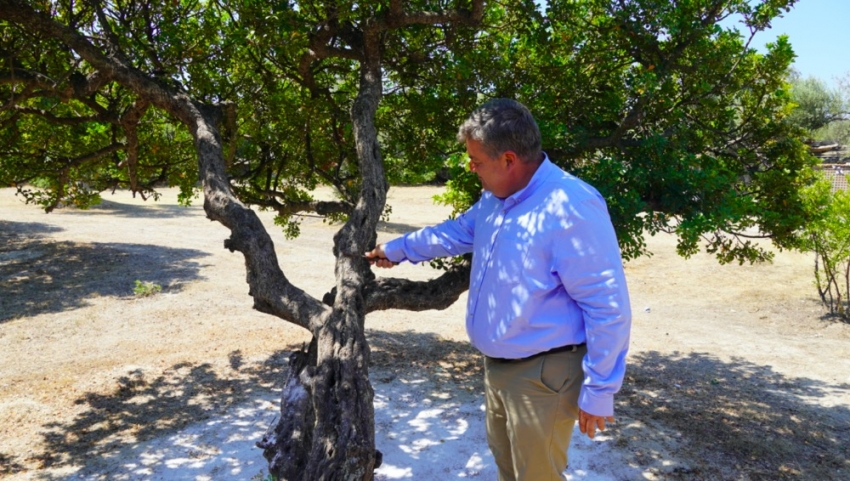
(511, 158)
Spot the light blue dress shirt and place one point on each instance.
(546, 272)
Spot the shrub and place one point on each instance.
(145, 289)
(829, 238)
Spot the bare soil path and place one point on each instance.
(733, 369)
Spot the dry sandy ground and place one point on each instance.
(735, 373)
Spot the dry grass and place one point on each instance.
(733, 370)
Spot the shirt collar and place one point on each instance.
(539, 176)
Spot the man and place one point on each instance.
(548, 305)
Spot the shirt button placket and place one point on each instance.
(497, 227)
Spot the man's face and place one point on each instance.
(492, 171)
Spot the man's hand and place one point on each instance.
(377, 257)
(588, 423)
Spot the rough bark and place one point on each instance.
(438, 293)
(287, 443)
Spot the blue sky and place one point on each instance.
(819, 32)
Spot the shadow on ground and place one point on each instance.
(709, 419)
(150, 209)
(38, 275)
(145, 405)
(732, 420)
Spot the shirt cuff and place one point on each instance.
(394, 250)
(596, 404)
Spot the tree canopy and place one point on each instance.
(666, 112)
(678, 123)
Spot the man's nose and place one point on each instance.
(471, 166)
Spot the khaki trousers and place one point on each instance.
(532, 407)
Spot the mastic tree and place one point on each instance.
(323, 75)
(677, 122)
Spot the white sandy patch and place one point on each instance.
(423, 433)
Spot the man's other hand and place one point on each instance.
(377, 257)
(589, 423)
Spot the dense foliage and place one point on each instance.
(671, 116)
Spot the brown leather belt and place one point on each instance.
(569, 348)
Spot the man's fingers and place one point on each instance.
(593, 424)
(584, 422)
(588, 423)
(374, 257)
(600, 422)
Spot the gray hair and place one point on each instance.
(502, 125)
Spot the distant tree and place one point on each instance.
(835, 131)
(817, 105)
(679, 124)
(838, 130)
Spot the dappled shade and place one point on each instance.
(41, 275)
(732, 418)
(710, 418)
